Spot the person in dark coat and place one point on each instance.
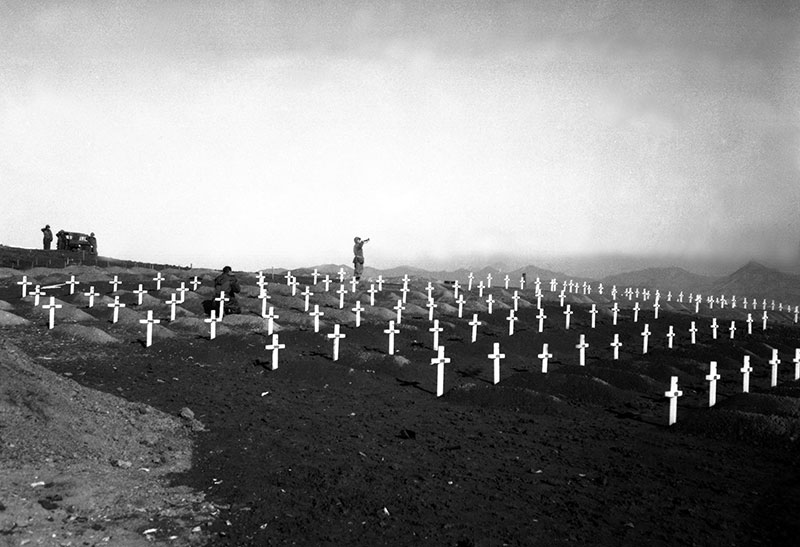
(228, 283)
(48, 237)
(61, 244)
(358, 257)
(93, 242)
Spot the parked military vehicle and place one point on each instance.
(74, 241)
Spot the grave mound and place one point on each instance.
(571, 387)
(248, 322)
(379, 314)
(763, 403)
(86, 334)
(5, 306)
(8, 319)
(6, 273)
(518, 399)
(195, 324)
(747, 427)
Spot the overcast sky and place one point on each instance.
(272, 133)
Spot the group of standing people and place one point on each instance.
(61, 243)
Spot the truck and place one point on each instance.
(74, 241)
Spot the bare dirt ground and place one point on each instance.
(198, 442)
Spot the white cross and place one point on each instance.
(264, 297)
(673, 395)
(489, 281)
(358, 309)
(522, 282)
(568, 312)
(173, 303)
(221, 299)
(600, 289)
(714, 328)
(680, 297)
(710, 301)
(380, 282)
(140, 293)
(399, 309)
(456, 286)
(316, 314)
(772, 307)
(260, 278)
(774, 362)
(746, 370)
(72, 284)
(212, 321)
(353, 284)
(545, 356)
(581, 347)
(115, 282)
(429, 290)
(440, 361)
(670, 336)
(733, 301)
(732, 328)
(391, 331)
(158, 279)
(541, 317)
(293, 284)
(656, 307)
(194, 283)
(796, 312)
(697, 306)
(307, 294)
(561, 298)
(36, 293)
(24, 284)
(289, 276)
(275, 347)
(796, 361)
(436, 329)
(712, 378)
(327, 282)
(749, 322)
(744, 303)
(764, 321)
(150, 322)
(91, 294)
(470, 278)
(315, 275)
(553, 285)
(405, 291)
(496, 356)
(693, 330)
(336, 336)
(636, 312)
(52, 307)
(460, 301)
(116, 304)
(474, 324)
(341, 291)
(183, 289)
(616, 344)
(372, 292)
(506, 279)
(405, 280)
(480, 289)
(431, 305)
(613, 292)
(593, 312)
(271, 317)
(615, 310)
(646, 335)
(490, 302)
(515, 298)
(512, 318)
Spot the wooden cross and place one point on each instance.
(341, 291)
(183, 289)
(293, 284)
(391, 331)
(714, 328)
(399, 309)
(289, 276)
(173, 303)
(746, 370)
(270, 317)
(615, 311)
(91, 294)
(522, 282)
(680, 297)
(506, 279)
(697, 306)
(733, 301)
(614, 292)
(358, 309)
(316, 314)
(553, 285)
(327, 283)
(260, 278)
(515, 298)
(140, 293)
(656, 307)
(490, 302)
(221, 299)
(581, 347)
(195, 282)
(796, 362)
(456, 286)
(405, 291)
(669, 296)
(710, 301)
(670, 336)
(636, 312)
(115, 282)
(353, 284)
(474, 324)
(116, 304)
(616, 344)
(561, 298)
(749, 322)
(24, 284)
(72, 284)
(440, 361)
(429, 290)
(431, 305)
(512, 318)
(336, 336)
(545, 356)
(712, 378)
(275, 347)
(36, 293)
(470, 278)
(693, 330)
(496, 356)
(264, 297)
(150, 322)
(764, 321)
(594, 312)
(158, 279)
(541, 317)
(774, 362)
(600, 289)
(480, 289)
(380, 283)
(212, 324)
(52, 307)
(568, 313)
(732, 329)
(489, 281)
(673, 395)
(372, 292)
(315, 275)
(307, 294)
(646, 335)
(460, 301)
(435, 329)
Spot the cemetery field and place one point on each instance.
(190, 440)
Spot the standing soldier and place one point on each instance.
(93, 243)
(48, 237)
(358, 257)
